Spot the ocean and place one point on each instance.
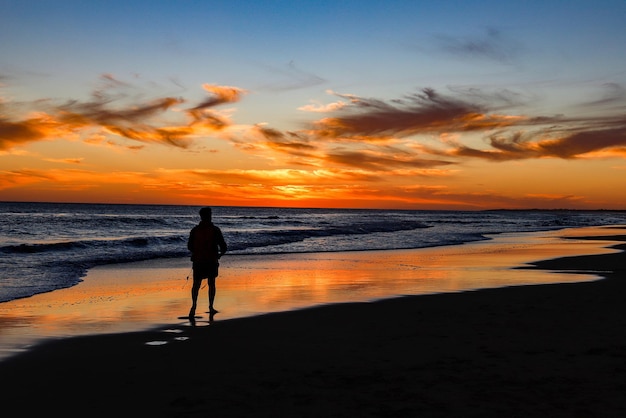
(50, 246)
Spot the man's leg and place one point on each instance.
(195, 289)
(212, 291)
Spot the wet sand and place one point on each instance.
(554, 350)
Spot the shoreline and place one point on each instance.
(553, 350)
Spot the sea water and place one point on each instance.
(50, 246)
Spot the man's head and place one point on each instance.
(205, 214)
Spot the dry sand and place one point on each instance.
(554, 350)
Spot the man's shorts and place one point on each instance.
(205, 269)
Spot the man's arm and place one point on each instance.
(190, 241)
(221, 242)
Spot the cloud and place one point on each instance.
(292, 78)
(219, 95)
(36, 127)
(492, 45)
(378, 161)
(429, 114)
(17, 178)
(613, 93)
(111, 111)
(291, 142)
(13, 134)
(304, 148)
(420, 113)
(98, 112)
(110, 81)
(584, 142)
(372, 134)
(319, 108)
(550, 142)
(65, 160)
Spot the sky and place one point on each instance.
(459, 105)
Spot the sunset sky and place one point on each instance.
(364, 104)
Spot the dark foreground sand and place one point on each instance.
(530, 351)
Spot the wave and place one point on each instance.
(238, 241)
(135, 242)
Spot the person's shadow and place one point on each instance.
(193, 319)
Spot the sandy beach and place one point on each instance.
(555, 350)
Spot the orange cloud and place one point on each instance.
(64, 179)
(34, 128)
(376, 161)
(220, 95)
(113, 114)
(290, 142)
(427, 112)
(319, 108)
(371, 121)
(65, 160)
(9, 179)
(364, 129)
(569, 143)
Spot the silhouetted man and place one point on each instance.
(207, 245)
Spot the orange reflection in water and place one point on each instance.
(299, 280)
(141, 295)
